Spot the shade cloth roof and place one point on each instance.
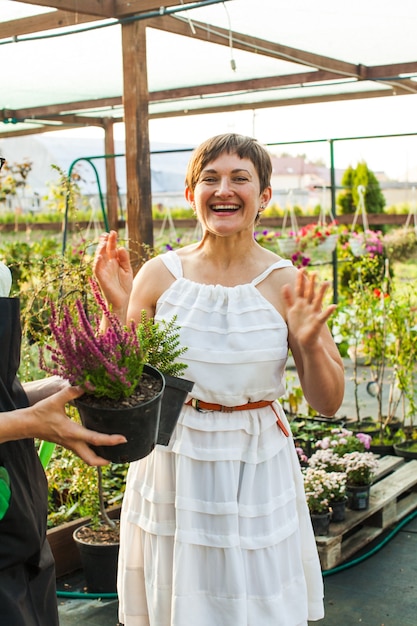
(217, 56)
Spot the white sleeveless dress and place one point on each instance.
(215, 530)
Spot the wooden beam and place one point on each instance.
(392, 71)
(251, 84)
(61, 107)
(271, 104)
(138, 169)
(34, 131)
(76, 120)
(269, 82)
(44, 22)
(74, 12)
(102, 8)
(124, 8)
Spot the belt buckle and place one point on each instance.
(196, 405)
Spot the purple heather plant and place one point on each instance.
(105, 364)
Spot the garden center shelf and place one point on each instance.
(393, 496)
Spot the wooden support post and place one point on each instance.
(111, 183)
(138, 169)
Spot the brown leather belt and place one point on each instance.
(201, 406)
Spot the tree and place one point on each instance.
(348, 199)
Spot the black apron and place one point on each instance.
(27, 571)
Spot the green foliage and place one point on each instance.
(66, 194)
(348, 199)
(380, 323)
(13, 177)
(363, 270)
(41, 274)
(160, 342)
(176, 213)
(401, 244)
(73, 488)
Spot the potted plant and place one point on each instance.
(390, 344)
(318, 240)
(98, 545)
(332, 463)
(336, 452)
(379, 323)
(347, 329)
(360, 468)
(162, 346)
(341, 440)
(122, 393)
(321, 488)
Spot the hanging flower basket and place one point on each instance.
(288, 240)
(324, 250)
(318, 241)
(357, 245)
(368, 243)
(329, 245)
(287, 247)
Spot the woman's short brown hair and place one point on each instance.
(230, 143)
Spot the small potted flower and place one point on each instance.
(338, 498)
(360, 468)
(333, 464)
(321, 487)
(341, 440)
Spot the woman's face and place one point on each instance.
(227, 196)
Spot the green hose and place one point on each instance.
(80, 595)
(375, 549)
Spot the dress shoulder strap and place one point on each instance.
(275, 266)
(173, 263)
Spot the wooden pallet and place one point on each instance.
(393, 496)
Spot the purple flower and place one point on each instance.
(108, 363)
(365, 439)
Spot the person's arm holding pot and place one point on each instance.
(47, 420)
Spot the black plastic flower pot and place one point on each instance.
(406, 449)
(99, 563)
(139, 424)
(175, 393)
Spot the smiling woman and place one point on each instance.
(227, 495)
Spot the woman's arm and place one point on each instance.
(113, 271)
(126, 297)
(317, 359)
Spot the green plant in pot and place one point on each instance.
(360, 468)
(391, 347)
(321, 489)
(388, 341)
(98, 545)
(163, 350)
(123, 393)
